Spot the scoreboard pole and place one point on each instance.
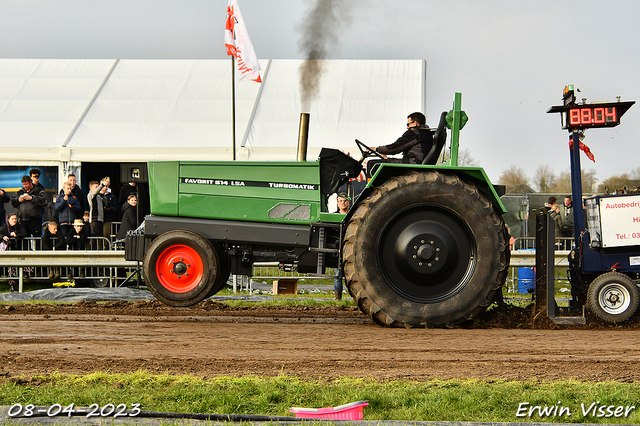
(576, 186)
(574, 118)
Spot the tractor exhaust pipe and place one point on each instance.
(303, 136)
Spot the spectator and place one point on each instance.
(11, 233)
(343, 207)
(68, 208)
(142, 199)
(550, 202)
(77, 240)
(75, 190)
(96, 201)
(4, 198)
(128, 217)
(87, 224)
(110, 209)
(30, 202)
(566, 212)
(554, 213)
(53, 240)
(343, 201)
(50, 213)
(34, 174)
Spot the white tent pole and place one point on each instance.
(90, 104)
(255, 104)
(424, 87)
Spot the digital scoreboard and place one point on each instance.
(589, 116)
(585, 117)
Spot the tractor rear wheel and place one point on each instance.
(181, 268)
(613, 297)
(423, 249)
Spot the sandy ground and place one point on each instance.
(213, 339)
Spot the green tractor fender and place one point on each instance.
(476, 175)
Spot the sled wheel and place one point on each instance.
(100, 282)
(425, 248)
(180, 268)
(613, 297)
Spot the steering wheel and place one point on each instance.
(367, 151)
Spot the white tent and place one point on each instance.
(65, 112)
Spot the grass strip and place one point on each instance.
(437, 400)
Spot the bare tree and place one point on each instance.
(544, 178)
(563, 182)
(515, 180)
(465, 159)
(618, 182)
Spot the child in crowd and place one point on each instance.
(53, 240)
(77, 240)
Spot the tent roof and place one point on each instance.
(138, 110)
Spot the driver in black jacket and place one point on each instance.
(413, 144)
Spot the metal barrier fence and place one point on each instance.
(35, 243)
(271, 270)
(529, 243)
(100, 263)
(527, 259)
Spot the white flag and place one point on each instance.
(238, 44)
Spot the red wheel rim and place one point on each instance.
(179, 268)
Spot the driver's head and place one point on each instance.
(418, 117)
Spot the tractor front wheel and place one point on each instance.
(181, 268)
(613, 297)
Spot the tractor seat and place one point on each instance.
(439, 140)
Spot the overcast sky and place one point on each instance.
(509, 58)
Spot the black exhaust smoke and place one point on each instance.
(324, 22)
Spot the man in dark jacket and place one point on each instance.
(30, 202)
(76, 190)
(53, 240)
(68, 208)
(413, 144)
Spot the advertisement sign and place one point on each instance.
(620, 221)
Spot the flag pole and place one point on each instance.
(233, 106)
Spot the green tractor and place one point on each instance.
(422, 245)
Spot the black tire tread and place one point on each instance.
(352, 272)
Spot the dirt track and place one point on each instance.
(322, 342)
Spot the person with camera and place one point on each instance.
(96, 202)
(68, 208)
(30, 202)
